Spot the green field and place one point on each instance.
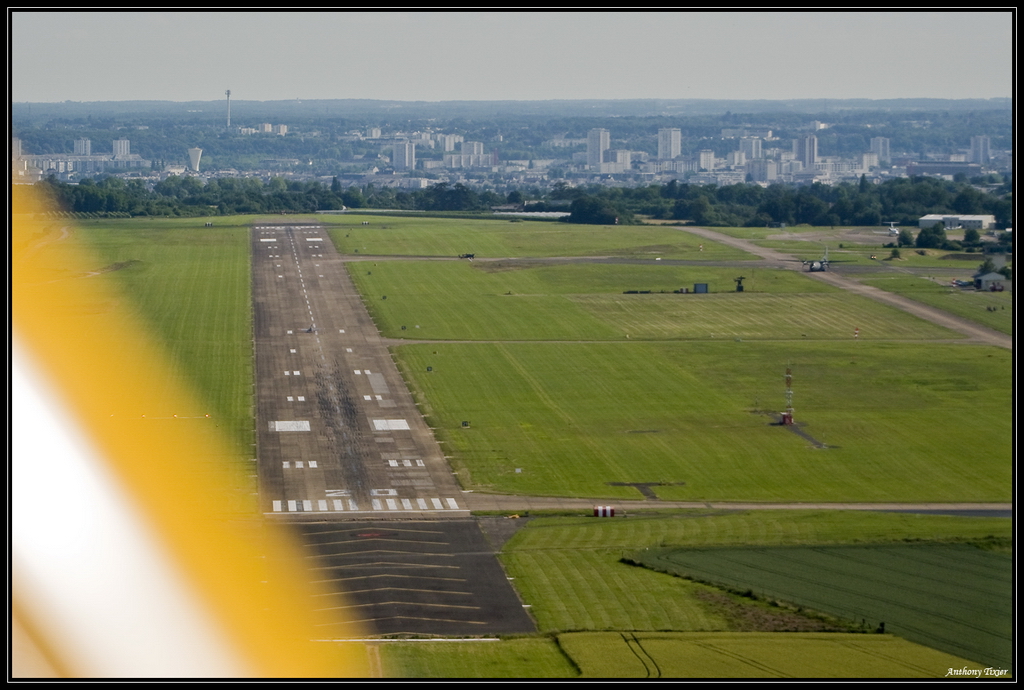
(573, 417)
(672, 655)
(532, 657)
(754, 655)
(903, 419)
(463, 301)
(571, 573)
(992, 309)
(955, 598)
(418, 236)
(191, 285)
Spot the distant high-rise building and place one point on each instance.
(373, 133)
(706, 159)
(83, 147)
(598, 141)
(281, 129)
(805, 150)
(404, 155)
(472, 148)
(448, 141)
(670, 142)
(981, 150)
(751, 147)
(880, 146)
(762, 170)
(122, 147)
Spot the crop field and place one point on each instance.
(573, 417)
(411, 236)
(463, 301)
(955, 598)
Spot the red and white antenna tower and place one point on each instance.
(787, 416)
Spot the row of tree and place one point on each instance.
(901, 200)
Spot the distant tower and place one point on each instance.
(228, 94)
(83, 147)
(403, 155)
(805, 150)
(787, 416)
(751, 147)
(981, 150)
(122, 147)
(193, 158)
(670, 142)
(598, 141)
(880, 146)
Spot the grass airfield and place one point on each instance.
(552, 386)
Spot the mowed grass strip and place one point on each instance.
(710, 528)
(412, 236)
(573, 417)
(533, 657)
(452, 301)
(757, 317)
(583, 589)
(449, 300)
(955, 598)
(754, 655)
(190, 284)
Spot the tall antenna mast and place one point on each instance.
(787, 416)
(228, 94)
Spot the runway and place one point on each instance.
(344, 454)
(338, 433)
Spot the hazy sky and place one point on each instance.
(179, 56)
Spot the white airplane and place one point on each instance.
(893, 230)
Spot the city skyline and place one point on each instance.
(183, 56)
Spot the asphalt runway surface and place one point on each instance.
(343, 452)
(338, 433)
(406, 577)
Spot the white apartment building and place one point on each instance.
(670, 143)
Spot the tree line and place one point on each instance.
(902, 200)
